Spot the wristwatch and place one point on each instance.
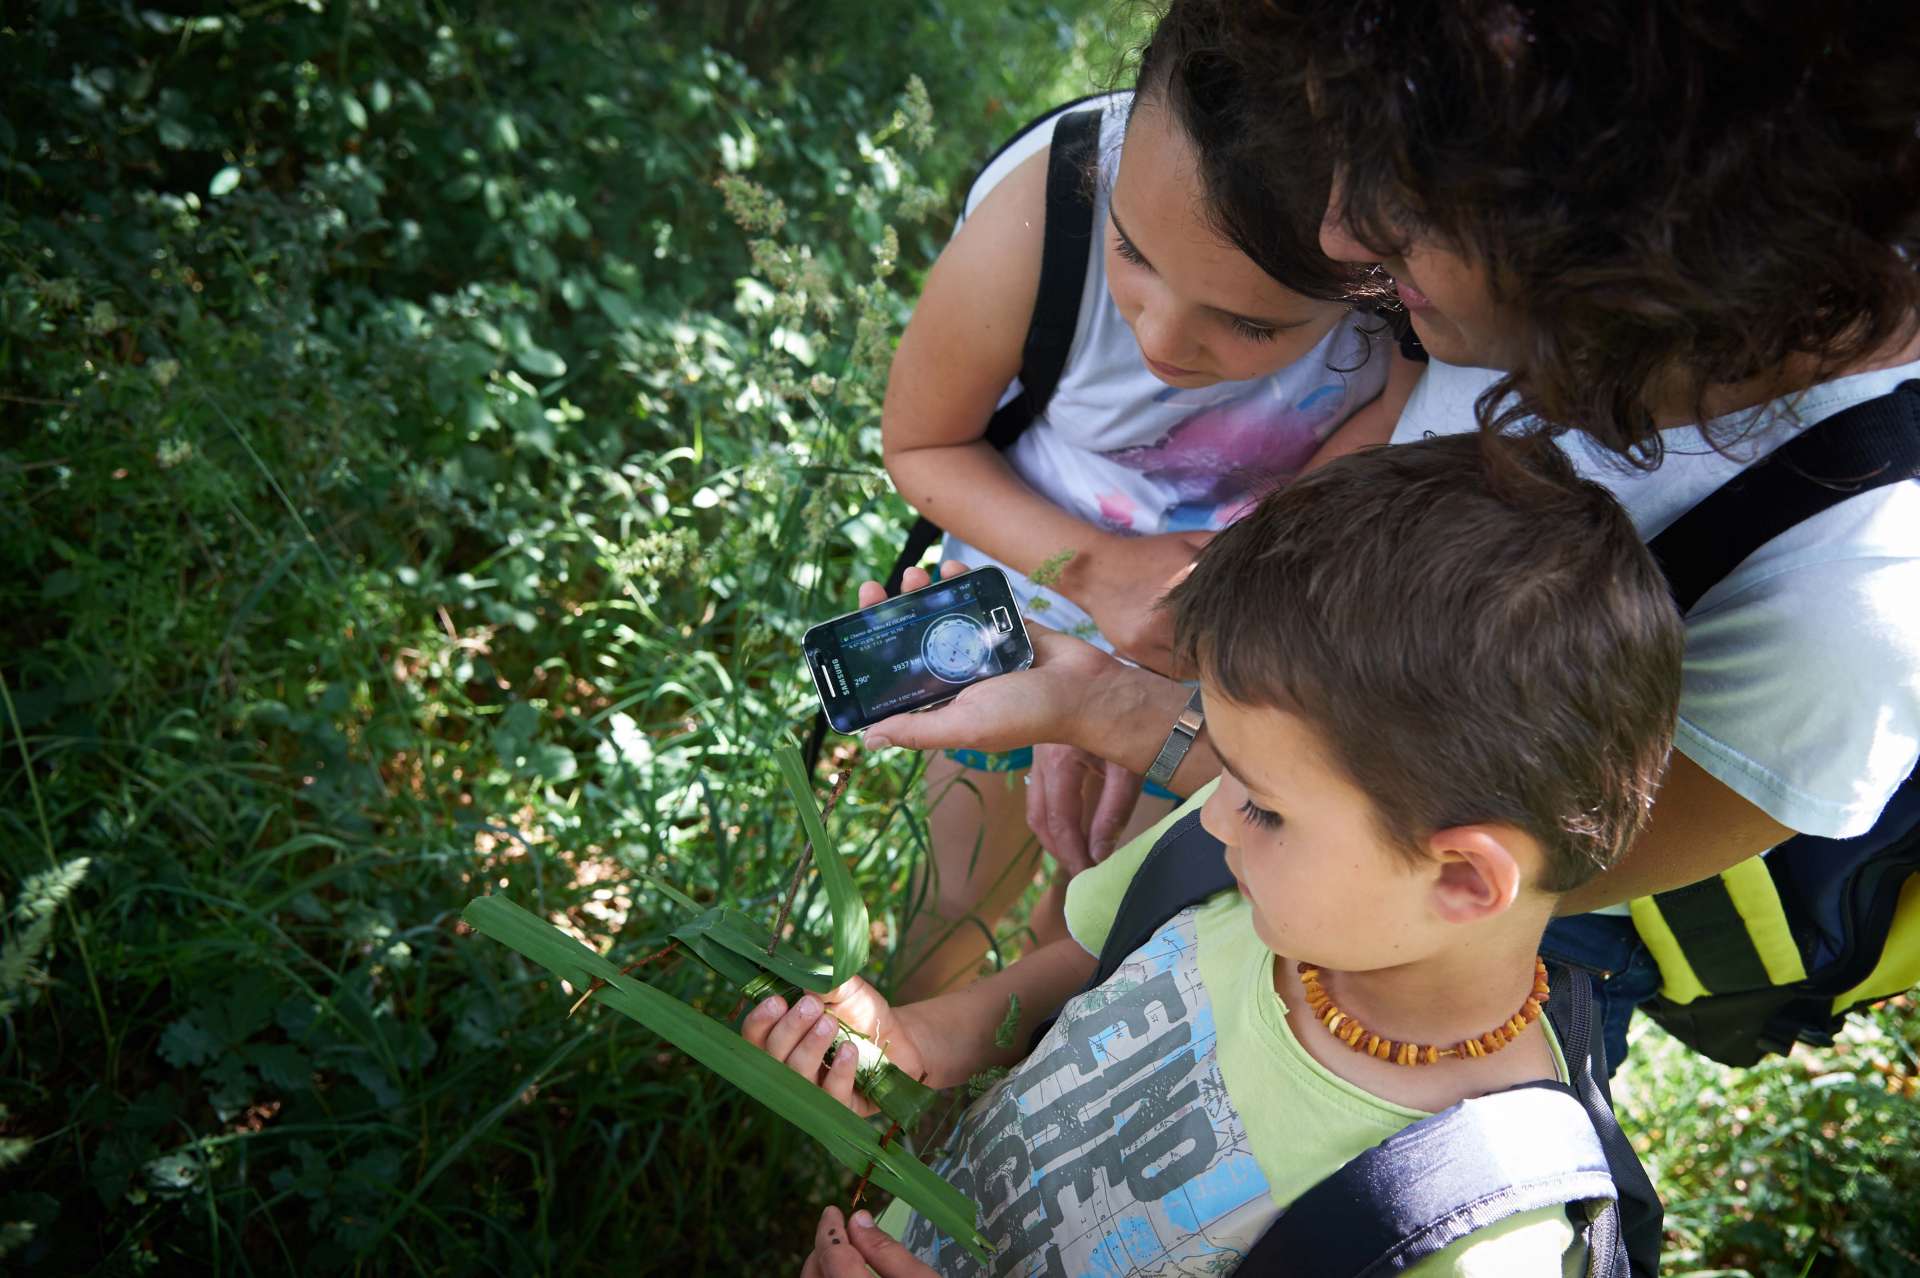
(1178, 741)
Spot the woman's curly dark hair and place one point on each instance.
(1676, 194)
(1264, 184)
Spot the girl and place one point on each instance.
(1208, 362)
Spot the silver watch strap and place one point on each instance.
(1179, 741)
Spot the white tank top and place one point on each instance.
(1122, 450)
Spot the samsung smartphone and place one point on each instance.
(916, 650)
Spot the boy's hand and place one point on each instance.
(847, 1249)
(801, 1036)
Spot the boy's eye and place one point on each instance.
(1251, 331)
(1124, 247)
(1258, 817)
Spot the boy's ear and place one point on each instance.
(1477, 870)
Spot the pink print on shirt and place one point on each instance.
(1215, 464)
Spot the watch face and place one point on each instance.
(955, 648)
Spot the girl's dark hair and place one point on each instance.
(1263, 188)
(1675, 194)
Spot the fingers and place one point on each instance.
(834, 1254)
(798, 1037)
(761, 1020)
(872, 592)
(1119, 794)
(842, 1069)
(888, 1258)
(1055, 805)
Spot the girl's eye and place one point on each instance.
(1124, 247)
(1251, 331)
(1259, 818)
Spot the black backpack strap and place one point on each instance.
(1185, 867)
(1436, 1181)
(1065, 246)
(1854, 451)
(1480, 1162)
(1624, 1237)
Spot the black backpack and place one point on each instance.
(1471, 1165)
(1778, 949)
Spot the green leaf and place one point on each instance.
(541, 362)
(356, 114)
(747, 937)
(185, 1043)
(851, 1140)
(464, 187)
(224, 181)
(851, 932)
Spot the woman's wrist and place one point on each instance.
(1123, 715)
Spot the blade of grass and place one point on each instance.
(849, 1139)
(851, 932)
(749, 939)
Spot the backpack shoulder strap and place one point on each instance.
(1477, 1163)
(1066, 242)
(1185, 867)
(1434, 1182)
(1854, 451)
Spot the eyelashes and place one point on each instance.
(1259, 818)
(1244, 329)
(1252, 332)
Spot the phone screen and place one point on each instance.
(918, 649)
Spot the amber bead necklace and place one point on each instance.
(1361, 1039)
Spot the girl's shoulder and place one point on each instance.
(1035, 138)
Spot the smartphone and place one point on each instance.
(916, 650)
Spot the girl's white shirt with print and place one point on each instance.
(1122, 450)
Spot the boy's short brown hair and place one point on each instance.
(1477, 633)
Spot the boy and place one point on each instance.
(1442, 679)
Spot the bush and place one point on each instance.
(415, 482)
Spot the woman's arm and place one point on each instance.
(1699, 828)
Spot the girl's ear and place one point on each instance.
(1477, 870)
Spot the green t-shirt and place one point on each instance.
(1170, 1114)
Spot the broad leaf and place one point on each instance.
(849, 1139)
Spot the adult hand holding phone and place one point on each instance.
(1009, 711)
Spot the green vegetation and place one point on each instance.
(425, 430)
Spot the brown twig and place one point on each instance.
(600, 983)
(893, 1129)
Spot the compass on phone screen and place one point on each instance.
(955, 647)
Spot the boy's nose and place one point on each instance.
(1216, 815)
